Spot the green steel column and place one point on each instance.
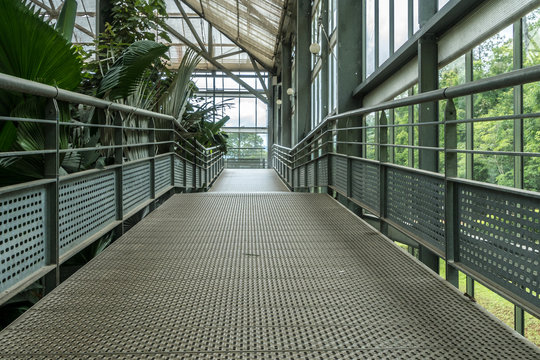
(270, 123)
(349, 69)
(277, 114)
(302, 86)
(519, 314)
(285, 128)
(51, 163)
(428, 112)
(450, 207)
(426, 10)
(325, 56)
(103, 15)
(469, 143)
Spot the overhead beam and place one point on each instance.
(208, 58)
(190, 25)
(201, 14)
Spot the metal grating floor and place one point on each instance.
(257, 276)
(248, 180)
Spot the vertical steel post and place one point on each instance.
(270, 122)
(325, 57)
(349, 69)
(383, 158)
(51, 165)
(469, 142)
(152, 155)
(428, 136)
(519, 314)
(450, 200)
(119, 170)
(302, 86)
(285, 128)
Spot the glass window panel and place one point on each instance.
(247, 112)
(232, 112)
(384, 30)
(442, 3)
(531, 38)
(494, 56)
(230, 84)
(416, 26)
(401, 23)
(370, 37)
(370, 136)
(531, 136)
(262, 114)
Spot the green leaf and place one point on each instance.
(66, 19)
(8, 135)
(174, 101)
(31, 49)
(123, 77)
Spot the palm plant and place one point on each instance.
(31, 49)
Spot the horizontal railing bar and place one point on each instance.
(12, 83)
(492, 152)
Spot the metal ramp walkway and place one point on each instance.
(257, 276)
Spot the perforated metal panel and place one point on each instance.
(136, 185)
(203, 177)
(311, 174)
(162, 173)
(365, 183)
(499, 236)
(302, 176)
(269, 276)
(339, 173)
(322, 172)
(86, 205)
(22, 235)
(179, 172)
(189, 175)
(416, 202)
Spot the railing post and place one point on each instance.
(152, 155)
(450, 198)
(173, 155)
(119, 170)
(383, 158)
(51, 165)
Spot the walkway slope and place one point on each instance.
(257, 276)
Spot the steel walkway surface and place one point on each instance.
(248, 180)
(257, 276)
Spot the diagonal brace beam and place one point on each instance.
(261, 80)
(190, 25)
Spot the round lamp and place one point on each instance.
(314, 48)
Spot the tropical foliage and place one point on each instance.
(128, 67)
(31, 49)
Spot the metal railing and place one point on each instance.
(147, 156)
(246, 157)
(487, 231)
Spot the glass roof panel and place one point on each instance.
(237, 25)
(253, 25)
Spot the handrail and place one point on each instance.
(509, 79)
